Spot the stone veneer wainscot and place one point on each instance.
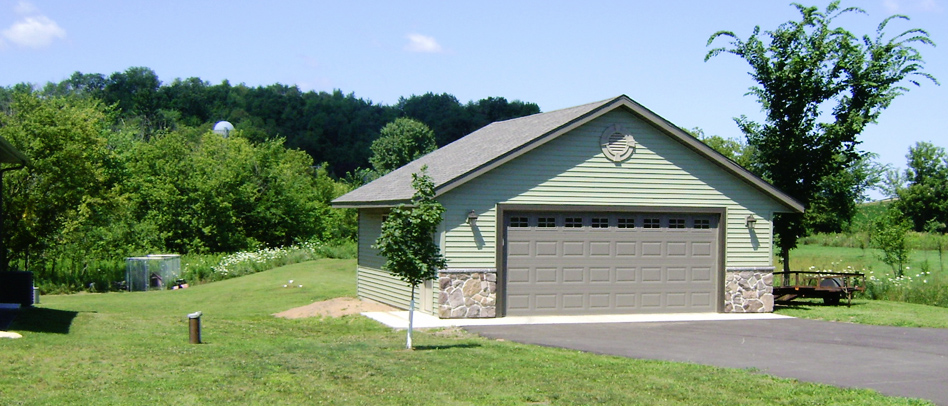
(749, 290)
(470, 293)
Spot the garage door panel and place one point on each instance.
(677, 248)
(518, 275)
(518, 248)
(651, 248)
(600, 275)
(650, 274)
(606, 270)
(574, 275)
(600, 301)
(676, 274)
(701, 274)
(701, 249)
(518, 302)
(573, 301)
(600, 248)
(625, 275)
(625, 249)
(701, 299)
(545, 275)
(545, 302)
(676, 299)
(574, 248)
(545, 248)
(651, 300)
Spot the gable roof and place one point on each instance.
(497, 143)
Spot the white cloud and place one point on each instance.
(892, 6)
(902, 6)
(33, 30)
(422, 43)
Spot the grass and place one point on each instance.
(131, 348)
(872, 312)
(825, 257)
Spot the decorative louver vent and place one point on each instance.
(616, 143)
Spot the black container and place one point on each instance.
(16, 287)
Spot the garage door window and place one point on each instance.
(573, 222)
(676, 223)
(652, 222)
(600, 222)
(546, 222)
(702, 224)
(626, 222)
(519, 222)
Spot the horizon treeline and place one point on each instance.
(333, 128)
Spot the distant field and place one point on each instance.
(838, 258)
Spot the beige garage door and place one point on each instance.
(611, 263)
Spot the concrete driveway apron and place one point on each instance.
(911, 362)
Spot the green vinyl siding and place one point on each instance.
(375, 283)
(370, 227)
(572, 170)
(382, 287)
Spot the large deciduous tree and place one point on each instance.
(803, 67)
(71, 168)
(924, 199)
(399, 143)
(407, 239)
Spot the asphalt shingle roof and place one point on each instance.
(454, 163)
(465, 155)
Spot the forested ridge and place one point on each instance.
(123, 165)
(334, 128)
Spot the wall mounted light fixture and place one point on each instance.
(750, 221)
(472, 218)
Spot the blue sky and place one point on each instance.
(554, 53)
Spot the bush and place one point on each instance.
(209, 268)
(65, 275)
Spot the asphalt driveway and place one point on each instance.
(910, 362)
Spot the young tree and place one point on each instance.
(801, 67)
(399, 143)
(407, 240)
(889, 236)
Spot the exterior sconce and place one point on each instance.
(472, 218)
(750, 221)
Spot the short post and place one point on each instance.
(194, 328)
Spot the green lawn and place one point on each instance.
(132, 349)
(873, 312)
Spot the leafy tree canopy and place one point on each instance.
(800, 68)
(924, 197)
(332, 127)
(399, 143)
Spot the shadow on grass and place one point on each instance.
(445, 347)
(42, 320)
(808, 304)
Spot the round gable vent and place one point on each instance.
(616, 143)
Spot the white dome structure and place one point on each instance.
(223, 128)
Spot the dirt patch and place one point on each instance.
(337, 307)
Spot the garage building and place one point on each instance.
(604, 208)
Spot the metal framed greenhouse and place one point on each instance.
(152, 272)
